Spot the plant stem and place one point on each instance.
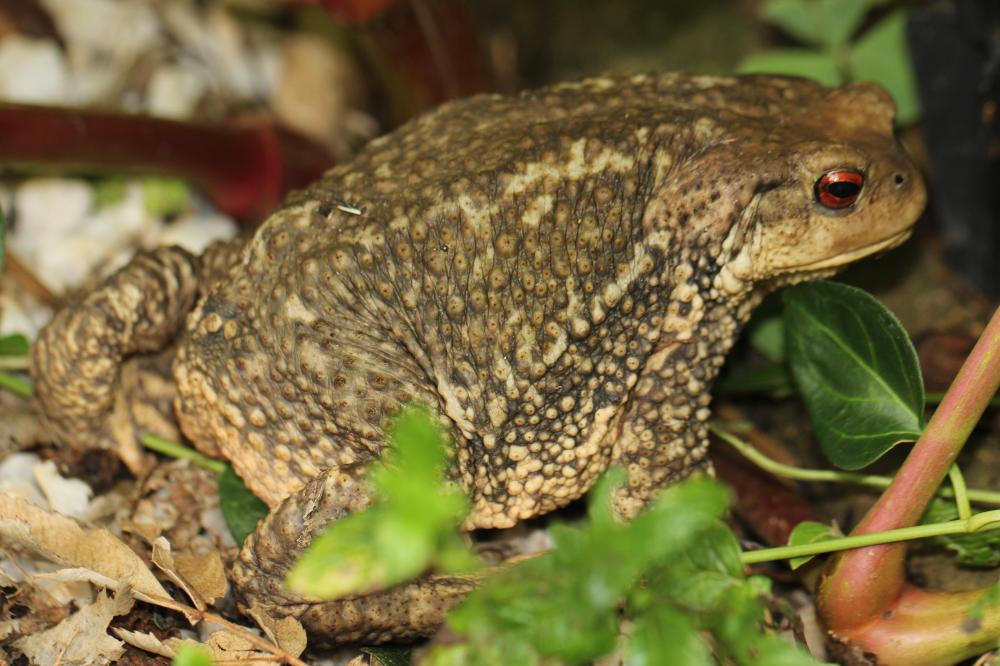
(14, 362)
(175, 450)
(961, 493)
(935, 397)
(17, 385)
(831, 475)
(986, 520)
(861, 584)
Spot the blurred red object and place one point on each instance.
(245, 166)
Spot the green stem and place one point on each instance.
(17, 385)
(830, 475)
(175, 450)
(981, 521)
(14, 362)
(961, 492)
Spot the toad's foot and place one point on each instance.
(77, 363)
(401, 613)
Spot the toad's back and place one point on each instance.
(525, 265)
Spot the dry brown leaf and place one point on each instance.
(163, 557)
(227, 647)
(206, 573)
(287, 633)
(63, 541)
(144, 641)
(81, 639)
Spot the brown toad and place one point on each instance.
(559, 274)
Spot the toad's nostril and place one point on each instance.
(898, 179)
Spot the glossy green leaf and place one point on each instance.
(412, 528)
(856, 370)
(816, 65)
(14, 344)
(192, 655)
(808, 532)
(241, 509)
(882, 55)
(816, 22)
(977, 549)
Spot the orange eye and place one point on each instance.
(839, 188)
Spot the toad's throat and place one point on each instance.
(845, 258)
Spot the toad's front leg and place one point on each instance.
(401, 613)
(662, 434)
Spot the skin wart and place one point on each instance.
(559, 274)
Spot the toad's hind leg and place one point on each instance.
(77, 360)
(401, 613)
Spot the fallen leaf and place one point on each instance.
(81, 639)
(163, 558)
(205, 572)
(63, 541)
(287, 632)
(226, 647)
(144, 641)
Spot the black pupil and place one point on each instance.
(843, 189)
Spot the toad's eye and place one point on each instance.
(838, 188)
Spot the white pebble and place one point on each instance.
(32, 71)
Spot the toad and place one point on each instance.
(559, 274)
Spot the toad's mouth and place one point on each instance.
(844, 258)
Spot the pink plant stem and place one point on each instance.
(861, 584)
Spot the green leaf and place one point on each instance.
(767, 336)
(807, 532)
(411, 529)
(816, 22)
(564, 605)
(977, 549)
(165, 196)
(774, 379)
(664, 635)
(989, 599)
(192, 655)
(389, 655)
(109, 191)
(241, 509)
(816, 65)
(14, 344)
(882, 56)
(856, 370)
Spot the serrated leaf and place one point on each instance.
(409, 530)
(856, 370)
(978, 549)
(14, 344)
(816, 22)
(816, 65)
(663, 635)
(882, 55)
(241, 509)
(807, 532)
